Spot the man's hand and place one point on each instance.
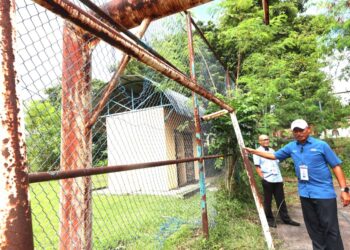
(345, 198)
(249, 150)
(264, 154)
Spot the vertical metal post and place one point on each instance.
(15, 214)
(265, 4)
(252, 182)
(198, 132)
(76, 142)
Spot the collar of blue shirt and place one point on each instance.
(308, 140)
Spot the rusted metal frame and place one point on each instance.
(59, 175)
(249, 171)
(15, 212)
(122, 29)
(76, 141)
(91, 24)
(201, 34)
(114, 80)
(265, 4)
(214, 115)
(131, 13)
(199, 146)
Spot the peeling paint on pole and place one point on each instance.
(76, 146)
(76, 142)
(131, 13)
(198, 129)
(252, 182)
(15, 215)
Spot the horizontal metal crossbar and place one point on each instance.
(59, 175)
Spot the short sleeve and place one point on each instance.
(331, 158)
(256, 160)
(283, 153)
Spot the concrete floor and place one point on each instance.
(297, 238)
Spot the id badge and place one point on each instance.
(304, 175)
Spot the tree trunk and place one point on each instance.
(230, 163)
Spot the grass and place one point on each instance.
(158, 222)
(236, 227)
(119, 221)
(99, 181)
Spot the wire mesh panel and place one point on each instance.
(64, 74)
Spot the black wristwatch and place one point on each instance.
(345, 189)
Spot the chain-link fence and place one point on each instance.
(115, 149)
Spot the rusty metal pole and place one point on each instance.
(252, 183)
(76, 142)
(265, 4)
(15, 214)
(89, 23)
(114, 81)
(77, 121)
(198, 132)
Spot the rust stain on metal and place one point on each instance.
(5, 152)
(131, 13)
(66, 174)
(114, 80)
(106, 33)
(76, 144)
(15, 216)
(249, 171)
(198, 130)
(75, 198)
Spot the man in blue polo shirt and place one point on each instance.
(315, 186)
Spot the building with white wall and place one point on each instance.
(161, 130)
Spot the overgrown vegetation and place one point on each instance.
(236, 224)
(277, 66)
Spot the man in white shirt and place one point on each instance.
(272, 184)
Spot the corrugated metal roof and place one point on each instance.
(181, 103)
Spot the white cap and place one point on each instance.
(299, 123)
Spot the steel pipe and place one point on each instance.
(91, 24)
(59, 175)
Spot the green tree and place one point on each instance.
(279, 65)
(43, 127)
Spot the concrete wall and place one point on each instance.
(137, 137)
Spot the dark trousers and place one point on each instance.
(276, 190)
(321, 220)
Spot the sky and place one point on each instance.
(204, 12)
(40, 50)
